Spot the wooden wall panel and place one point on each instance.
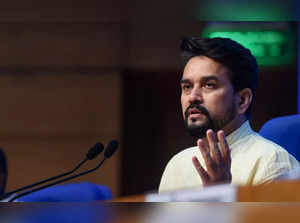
(155, 46)
(62, 11)
(60, 86)
(60, 45)
(48, 123)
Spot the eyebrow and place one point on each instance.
(205, 78)
(208, 78)
(185, 81)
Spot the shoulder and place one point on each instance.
(180, 173)
(259, 151)
(274, 160)
(263, 159)
(183, 156)
(186, 152)
(265, 147)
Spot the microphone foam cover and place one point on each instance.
(111, 148)
(95, 151)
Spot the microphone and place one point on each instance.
(91, 154)
(95, 151)
(109, 151)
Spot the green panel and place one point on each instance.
(270, 47)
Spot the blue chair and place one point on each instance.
(73, 192)
(285, 131)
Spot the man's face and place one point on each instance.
(207, 97)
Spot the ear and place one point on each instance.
(244, 100)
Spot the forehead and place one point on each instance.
(200, 67)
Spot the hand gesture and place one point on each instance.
(217, 161)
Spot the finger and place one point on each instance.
(225, 150)
(213, 145)
(201, 171)
(206, 156)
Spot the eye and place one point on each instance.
(186, 87)
(210, 85)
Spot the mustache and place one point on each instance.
(202, 109)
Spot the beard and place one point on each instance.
(199, 130)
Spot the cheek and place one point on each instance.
(183, 104)
(219, 104)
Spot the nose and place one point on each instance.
(196, 96)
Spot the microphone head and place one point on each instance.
(111, 148)
(95, 151)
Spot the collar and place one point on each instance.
(241, 132)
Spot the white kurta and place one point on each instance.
(254, 160)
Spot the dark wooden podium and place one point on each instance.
(277, 202)
(281, 191)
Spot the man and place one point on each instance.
(218, 89)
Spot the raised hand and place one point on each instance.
(217, 160)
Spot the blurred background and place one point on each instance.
(73, 73)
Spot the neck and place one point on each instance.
(233, 125)
(236, 123)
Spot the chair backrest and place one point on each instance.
(285, 131)
(73, 192)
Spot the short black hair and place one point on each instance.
(229, 53)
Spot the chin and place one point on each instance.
(197, 123)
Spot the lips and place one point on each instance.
(194, 111)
